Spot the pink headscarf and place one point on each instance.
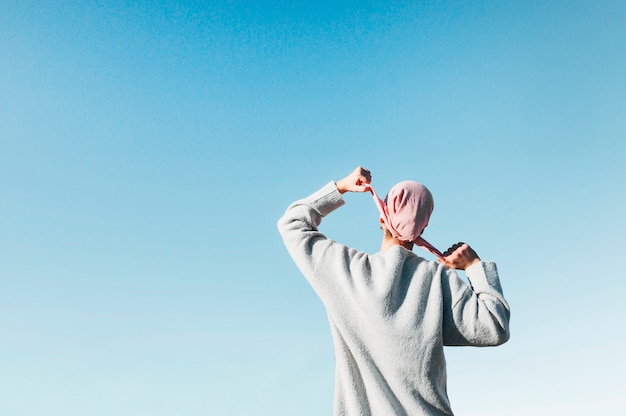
(406, 211)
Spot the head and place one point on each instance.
(389, 240)
(408, 205)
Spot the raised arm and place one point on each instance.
(477, 314)
(325, 263)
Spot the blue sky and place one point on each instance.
(147, 150)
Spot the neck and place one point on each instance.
(389, 242)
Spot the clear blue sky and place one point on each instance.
(147, 150)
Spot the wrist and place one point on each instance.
(472, 263)
(341, 186)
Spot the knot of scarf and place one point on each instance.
(405, 211)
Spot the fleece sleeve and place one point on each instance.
(323, 262)
(479, 314)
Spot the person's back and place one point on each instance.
(391, 313)
(388, 327)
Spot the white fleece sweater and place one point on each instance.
(391, 313)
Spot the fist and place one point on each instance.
(460, 256)
(357, 181)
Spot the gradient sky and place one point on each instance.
(147, 150)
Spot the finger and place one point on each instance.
(456, 246)
(451, 249)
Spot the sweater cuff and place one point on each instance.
(326, 200)
(484, 276)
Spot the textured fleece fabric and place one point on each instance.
(391, 313)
